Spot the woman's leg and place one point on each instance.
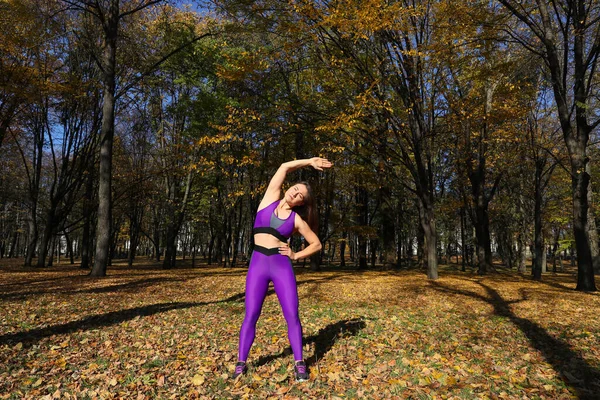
(284, 282)
(257, 283)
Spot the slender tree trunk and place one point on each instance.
(228, 241)
(374, 250)
(70, 249)
(219, 249)
(343, 252)
(103, 230)
(86, 237)
(554, 248)
(32, 238)
(52, 248)
(176, 221)
(537, 216)
(421, 259)
(237, 234)
(388, 229)
(481, 221)
(13, 245)
(522, 253)
(47, 241)
(362, 208)
(463, 238)
(194, 250)
(211, 246)
(134, 233)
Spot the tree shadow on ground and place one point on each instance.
(68, 284)
(575, 372)
(323, 340)
(32, 336)
(125, 287)
(548, 279)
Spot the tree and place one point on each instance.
(485, 85)
(566, 36)
(383, 51)
(18, 75)
(111, 16)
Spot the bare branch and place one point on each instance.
(153, 67)
(139, 8)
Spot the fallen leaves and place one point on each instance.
(149, 333)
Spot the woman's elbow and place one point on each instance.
(318, 246)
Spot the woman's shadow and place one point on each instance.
(323, 340)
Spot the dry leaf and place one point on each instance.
(198, 379)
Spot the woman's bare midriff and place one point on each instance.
(267, 240)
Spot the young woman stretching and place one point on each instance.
(276, 220)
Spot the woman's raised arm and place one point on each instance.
(273, 192)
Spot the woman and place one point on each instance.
(276, 221)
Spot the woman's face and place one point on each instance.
(295, 195)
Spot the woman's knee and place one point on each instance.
(251, 317)
(292, 318)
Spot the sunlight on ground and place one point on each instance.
(149, 333)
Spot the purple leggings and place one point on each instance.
(268, 265)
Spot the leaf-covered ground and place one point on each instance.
(147, 333)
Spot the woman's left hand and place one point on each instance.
(286, 251)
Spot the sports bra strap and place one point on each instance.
(271, 231)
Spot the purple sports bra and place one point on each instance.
(267, 222)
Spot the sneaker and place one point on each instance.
(300, 371)
(240, 368)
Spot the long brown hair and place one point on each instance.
(308, 210)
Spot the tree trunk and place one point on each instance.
(343, 252)
(194, 250)
(421, 259)
(580, 184)
(13, 244)
(86, 237)
(362, 210)
(430, 236)
(315, 261)
(463, 238)
(70, 249)
(228, 240)
(47, 241)
(219, 249)
(538, 237)
(176, 221)
(237, 234)
(103, 230)
(522, 252)
(593, 233)
(481, 223)
(32, 238)
(170, 249)
(211, 245)
(134, 232)
(52, 249)
(388, 230)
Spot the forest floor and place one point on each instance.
(144, 333)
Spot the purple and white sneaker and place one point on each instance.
(240, 369)
(300, 371)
